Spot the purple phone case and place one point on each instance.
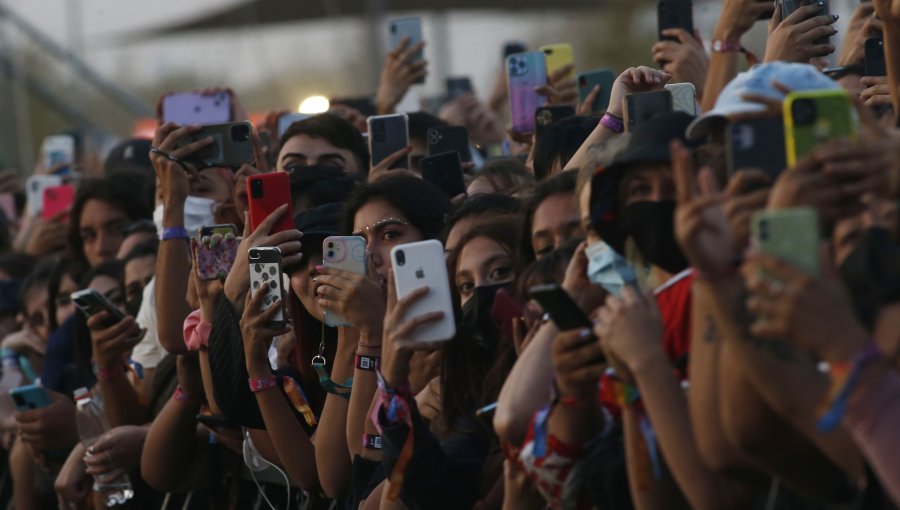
(214, 263)
(525, 72)
(194, 108)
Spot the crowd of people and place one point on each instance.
(711, 373)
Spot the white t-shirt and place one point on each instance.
(149, 352)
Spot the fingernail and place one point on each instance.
(835, 16)
(319, 268)
(584, 333)
(315, 280)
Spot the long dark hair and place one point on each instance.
(472, 374)
(422, 204)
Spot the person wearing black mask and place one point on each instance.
(633, 210)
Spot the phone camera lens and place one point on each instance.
(764, 230)
(330, 245)
(240, 132)
(804, 111)
(330, 253)
(256, 189)
(20, 402)
(401, 258)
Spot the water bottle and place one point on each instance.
(91, 425)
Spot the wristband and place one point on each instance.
(844, 378)
(107, 374)
(720, 46)
(184, 398)
(174, 233)
(369, 363)
(613, 123)
(575, 402)
(258, 384)
(372, 442)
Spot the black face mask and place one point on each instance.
(477, 325)
(652, 226)
(872, 274)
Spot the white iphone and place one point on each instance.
(57, 150)
(347, 253)
(418, 265)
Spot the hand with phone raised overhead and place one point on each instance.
(237, 283)
(397, 345)
(633, 80)
(561, 88)
(356, 297)
(747, 192)
(686, 60)
(47, 236)
(797, 38)
(738, 17)
(174, 174)
(483, 124)
(863, 25)
(383, 168)
(399, 73)
(877, 92)
(111, 345)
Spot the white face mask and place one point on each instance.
(198, 211)
(608, 269)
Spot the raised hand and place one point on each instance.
(257, 332)
(578, 362)
(794, 39)
(561, 88)
(112, 344)
(630, 328)
(632, 80)
(356, 297)
(686, 60)
(399, 73)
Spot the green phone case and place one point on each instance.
(791, 235)
(814, 117)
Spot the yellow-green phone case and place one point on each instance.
(832, 116)
(791, 235)
(557, 56)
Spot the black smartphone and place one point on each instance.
(642, 106)
(875, 62)
(457, 86)
(546, 116)
(674, 14)
(449, 138)
(92, 302)
(789, 6)
(562, 309)
(387, 135)
(756, 143)
(445, 171)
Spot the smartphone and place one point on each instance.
(418, 265)
(875, 64)
(387, 135)
(506, 308)
(445, 172)
(347, 253)
(684, 97)
(767, 14)
(58, 150)
(789, 6)
(642, 106)
(91, 302)
(674, 14)
(196, 108)
(513, 47)
(546, 116)
(756, 143)
(286, 119)
(222, 229)
(232, 145)
(562, 309)
(458, 86)
(266, 276)
(449, 139)
(411, 28)
(814, 117)
(557, 56)
(29, 397)
(34, 189)
(603, 78)
(57, 199)
(525, 72)
(792, 235)
(214, 263)
(267, 192)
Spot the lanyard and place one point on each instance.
(327, 383)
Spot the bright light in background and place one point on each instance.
(314, 104)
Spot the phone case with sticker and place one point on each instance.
(265, 276)
(347, 253)
(215, 263)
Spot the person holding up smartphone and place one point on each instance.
(400, 71)
(684, 58)
(799, 36)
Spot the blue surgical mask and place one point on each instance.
(608, 269)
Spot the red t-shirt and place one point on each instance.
(674, 301)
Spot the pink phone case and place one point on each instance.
(215, 263)
(526, 71)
